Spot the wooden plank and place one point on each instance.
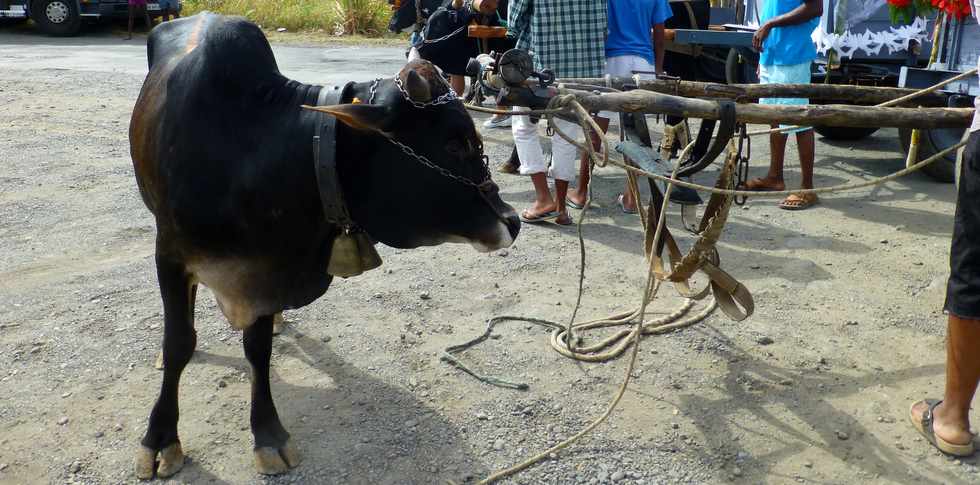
(807, 115)
(863, 95)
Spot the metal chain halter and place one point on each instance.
(485, 186)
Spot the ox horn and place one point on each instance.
(416, 86)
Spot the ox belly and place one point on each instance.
(245, 290)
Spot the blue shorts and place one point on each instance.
(791, 74)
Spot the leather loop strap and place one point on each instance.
(726, 129)
(325, 160)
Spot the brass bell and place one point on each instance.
(352, 254)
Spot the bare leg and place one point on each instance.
(952, 417)
(458, 83)
(561, 190)
(179, 340)
(146, 17)
(274, 452)
(543, 202)
(129, 32)
(581, 192)
(806, 144)
(777, 150)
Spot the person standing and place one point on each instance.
(169, 10)
(568, 37)
(630, 48)
(946, 423)
(135, 7)
(786, 52)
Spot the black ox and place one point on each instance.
(224, 160)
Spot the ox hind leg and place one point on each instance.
(179, 340)
(274, 451)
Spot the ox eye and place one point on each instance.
(457, 146)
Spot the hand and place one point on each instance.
(760, 37)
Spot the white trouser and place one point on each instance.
(563, 154)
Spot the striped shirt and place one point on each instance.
(566, 36)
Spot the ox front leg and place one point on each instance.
(274, 451)
(179, 340)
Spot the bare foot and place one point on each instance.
(765, 184)
(942, 425)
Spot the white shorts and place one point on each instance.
(624, 66)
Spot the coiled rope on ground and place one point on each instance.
(562, 337)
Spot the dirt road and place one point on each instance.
(812, 389)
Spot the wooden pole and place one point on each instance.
(642, 101)
(867, 95)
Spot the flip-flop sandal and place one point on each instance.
(573, 204)
(798, 202)
(529, 218)
(924, 426)
(760, 185)
(622, 206)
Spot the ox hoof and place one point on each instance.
(273, 461)
(278, 324)
(158, 365)
(171, 461)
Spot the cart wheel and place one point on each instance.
(932, 142)
(57, 17)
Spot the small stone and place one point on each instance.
(842, 436)
(63, 421)
(602, 476)
(754, 266)
(503, 253)
(452, 273)
(851, 322)
(822, 361)
(411, 423)
(118, 427)
(3, 466)
(675, 426)
(808, 464)
(553, 456)
(222, 383)
(424, 295)
(482, 416)
(64, 395)
(741, 456)
(99, 434)
(764, 340)
(281, 29)
(883, 241)
(786, 382)
(499, 445)
(617, 476)
(75, 467)
(737, 471)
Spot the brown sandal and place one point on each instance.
(798, 202)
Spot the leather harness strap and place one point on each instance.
(325, 160)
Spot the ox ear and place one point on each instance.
(358, 115)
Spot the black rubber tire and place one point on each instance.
(843, 133)
(733, 71)
(942, 170)
(59, 18)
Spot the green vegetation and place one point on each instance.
(337, 17)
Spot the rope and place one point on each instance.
(633, 336)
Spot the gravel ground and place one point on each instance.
(812, 389)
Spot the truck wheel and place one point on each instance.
(56, 17)
(843, 133)
(932, 142)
